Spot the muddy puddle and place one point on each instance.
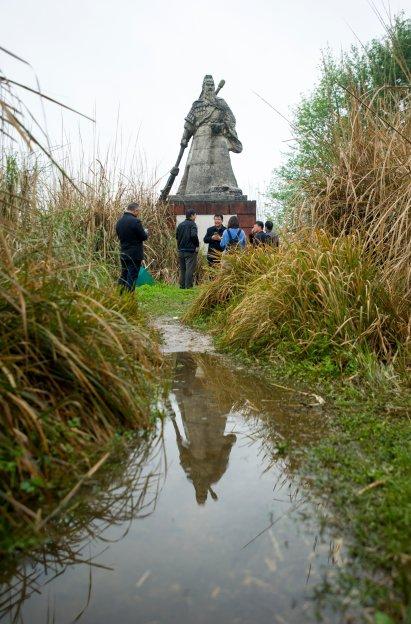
(207, 523)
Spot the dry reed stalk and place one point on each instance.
(316, 295)
(87, 222)
(76, 364)
(368, 190)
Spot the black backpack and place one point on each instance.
(261, 239)
(233, 241)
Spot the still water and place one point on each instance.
(208, 523)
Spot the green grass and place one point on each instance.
(362, 467)
(164, 299)
(368, 441)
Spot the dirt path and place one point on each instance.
(178, 337)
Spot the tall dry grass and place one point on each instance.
(368, 190)
(34, 198)
(77, 364)
(317, 296)
(77, 360)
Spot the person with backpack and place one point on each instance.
(258, 236)
(233, 237)
(269, 230)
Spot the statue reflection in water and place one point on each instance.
(204, 449)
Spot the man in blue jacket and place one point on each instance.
(187, 245)
(131, 235)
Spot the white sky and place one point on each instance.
(144, 60)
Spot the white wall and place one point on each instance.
(203, 222)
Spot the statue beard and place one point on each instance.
(210, 97)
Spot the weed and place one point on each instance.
(164, 299)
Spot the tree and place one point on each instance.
(378, 74)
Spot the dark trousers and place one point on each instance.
(214, 258)
(129, 272)
(188, 263)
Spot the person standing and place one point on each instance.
(233, 237)
(258, 236)
(213, 238)
(188, 245)
(131, 234)
(269, 230)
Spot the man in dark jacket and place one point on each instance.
(187, 244)
(213, 238)
(269, 230)
(258, 236)
(131, 234)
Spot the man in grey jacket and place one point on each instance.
(188, 245)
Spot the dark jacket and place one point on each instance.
(213, 245)
(131, 234)
(260, 238)
(187, 236)
(275, 240)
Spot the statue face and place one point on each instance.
(209, 88)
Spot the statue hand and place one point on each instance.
(183, 142)
(175, 171)
(217, 128)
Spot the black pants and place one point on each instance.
(129, 272)
(188, 263)
(214, 258)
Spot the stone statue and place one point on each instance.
(208, 173)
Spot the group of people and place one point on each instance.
(219, 239)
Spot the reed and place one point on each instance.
(83, 223)
(316, 297)
(339, 287)
(77, 364)
(367, 190)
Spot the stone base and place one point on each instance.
(245, 210)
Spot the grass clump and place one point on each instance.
(77, 364)
(317, 298)
(362, 468)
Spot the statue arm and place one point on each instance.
(229, 117)
(188, 128)
(229, 122)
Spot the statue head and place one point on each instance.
(208, 90)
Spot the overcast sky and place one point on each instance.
(143, 61)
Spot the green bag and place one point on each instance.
(144, 277)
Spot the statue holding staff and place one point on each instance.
(208, 172)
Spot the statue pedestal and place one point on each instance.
(205, 209)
